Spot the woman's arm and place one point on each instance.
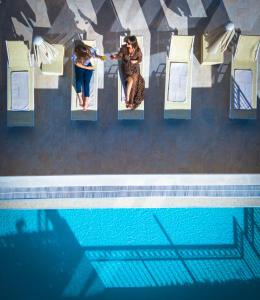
(101, 57)
(94, 54)
(78, 64)
(119, 54)
(84, 67)
(139, 56)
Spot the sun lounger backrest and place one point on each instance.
(243, 87)
(20, 85)
(178, 79)
(18, 54)
(247, 48)
(181, 48)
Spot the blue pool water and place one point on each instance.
(99, 253)
(96, 227)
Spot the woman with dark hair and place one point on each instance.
(131, 56)
(83, 71)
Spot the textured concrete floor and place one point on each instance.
(208, 143)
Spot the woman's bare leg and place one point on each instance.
(86, 103)
(79, 95)
(128, 88)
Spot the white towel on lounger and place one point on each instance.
(178, 79)
(20, 90)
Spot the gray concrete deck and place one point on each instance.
(208, 143)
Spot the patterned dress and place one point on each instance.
(132, 70)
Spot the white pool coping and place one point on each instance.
(132, 181)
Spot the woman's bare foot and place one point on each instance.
(81, 103)
(132, 106)
(85, 106)
(127, 103)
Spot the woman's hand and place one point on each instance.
(134, 61)
(113, 56)
(101, 57)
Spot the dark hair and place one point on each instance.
(83, 53)
(133, 41)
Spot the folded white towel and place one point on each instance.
(178, 79)
(20, 90)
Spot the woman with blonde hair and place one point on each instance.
(84, 71)
(131, 56)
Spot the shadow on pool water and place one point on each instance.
(51, 264)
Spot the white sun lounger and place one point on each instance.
(77, 113)
(56, 67)
(123, 112)
(243, 84)
(20, 85)
(177, 103)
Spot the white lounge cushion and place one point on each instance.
(123, 94)
(92, 100)
(178, 79)
(243, 86)
(20, 90)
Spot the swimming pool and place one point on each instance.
(128, 248)
(122, 227)
(59, 252)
